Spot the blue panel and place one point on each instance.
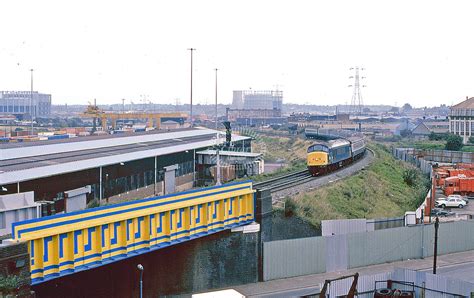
(104, 227)
(76, 233)
(180, 220)
(150, 224)
(216, 204)
(160, 228)
(198, 218)
(45, 247)
(231, 206)
(32, 251)
(88, 246)
(129, 221)
(114, 240)
(138, 234)
(61, 246)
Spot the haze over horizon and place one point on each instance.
(416, 52)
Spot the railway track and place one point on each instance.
(286, 181)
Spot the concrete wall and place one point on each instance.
(17, 207)
(76, 199)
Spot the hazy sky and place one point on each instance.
(413, 51)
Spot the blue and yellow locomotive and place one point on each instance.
(324, 157)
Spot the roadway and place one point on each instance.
(457, 265)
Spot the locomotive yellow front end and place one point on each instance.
(317, 159)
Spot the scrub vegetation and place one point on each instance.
(289, 151)
(386, 188)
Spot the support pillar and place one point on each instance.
(100, 185)
(263, 216)
(154, 185)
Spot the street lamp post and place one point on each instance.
(191, 110)
(140, 268)
(31, 102)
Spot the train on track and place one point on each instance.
(327, 156)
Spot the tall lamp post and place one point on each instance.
(140, 268)
(191, 112)
(218, 162)
(31, 102)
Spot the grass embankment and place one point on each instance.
(289, 151)
(378, 191)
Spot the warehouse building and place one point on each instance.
(461, 119)
(138, 165)
(19, 103)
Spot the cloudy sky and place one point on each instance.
(419, 52)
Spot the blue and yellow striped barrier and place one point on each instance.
(67, 243)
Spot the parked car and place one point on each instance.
(441, 212)
(450, 202)
(460, 197)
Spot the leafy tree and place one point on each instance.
(471, 140)
(454, 143)
(407, 107)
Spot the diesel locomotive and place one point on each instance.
(327, 156)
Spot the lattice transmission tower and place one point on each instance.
(357, 103)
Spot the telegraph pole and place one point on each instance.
(31, 102)
(435, 245)
(191, 112)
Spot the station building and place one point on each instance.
(153, 162)
(461, 119)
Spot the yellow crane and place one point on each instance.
(94, 112)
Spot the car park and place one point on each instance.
(450, 202)
(441, 212)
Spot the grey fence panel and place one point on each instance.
(294, 257)
(452, 237)
(343, 226)
(386, 223)
(383, 246)
(336, 253)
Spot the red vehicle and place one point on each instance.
(459, 185)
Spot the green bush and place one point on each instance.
(290, 207)
(9, 283)
(93, 204)
(454, 143)
(409, 176)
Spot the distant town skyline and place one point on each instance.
(416, 52)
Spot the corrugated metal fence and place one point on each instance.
(294, 257)
(349, 226)
(424, 284)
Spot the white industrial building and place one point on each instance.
(19, 103)
(461, 119)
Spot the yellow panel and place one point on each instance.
(317, 159)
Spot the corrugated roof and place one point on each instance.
(230, 153)
(467, 104)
